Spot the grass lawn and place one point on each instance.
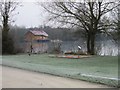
(94, 69)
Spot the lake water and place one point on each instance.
(104, 47)
(107, 47)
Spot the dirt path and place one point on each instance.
(17, 78)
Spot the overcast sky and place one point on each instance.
(30, 15)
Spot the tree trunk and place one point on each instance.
(88, 44)
(92, 44)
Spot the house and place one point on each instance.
(36, 41)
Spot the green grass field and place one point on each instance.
(95, 69)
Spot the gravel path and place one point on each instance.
(17, 78)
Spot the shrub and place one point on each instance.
(7, 44)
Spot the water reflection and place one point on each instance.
(107, 47)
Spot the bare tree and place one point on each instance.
(88, 16)
(7, 8)
(118, 23)
(115, 33)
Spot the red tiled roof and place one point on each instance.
(39, 32)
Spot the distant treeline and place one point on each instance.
(64, 34)
(18, 35)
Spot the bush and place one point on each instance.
(7, 44)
